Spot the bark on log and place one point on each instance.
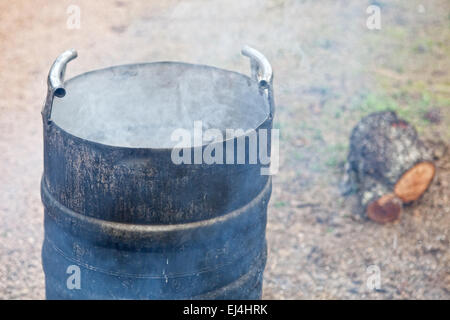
(387, 165)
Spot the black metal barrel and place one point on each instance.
(123, 220)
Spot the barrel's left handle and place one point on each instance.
(262, 73)
(55, 80)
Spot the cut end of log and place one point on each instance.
(386, 209)
(415, 181)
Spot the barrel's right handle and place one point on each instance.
(55, 80)
(261, 73)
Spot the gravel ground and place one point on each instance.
(329, 71)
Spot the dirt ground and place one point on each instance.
(330, 70)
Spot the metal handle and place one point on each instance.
(55, 80)
(262, 73)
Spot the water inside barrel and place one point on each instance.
(142, 105)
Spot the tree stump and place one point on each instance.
(387, 165)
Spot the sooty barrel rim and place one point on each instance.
(48, 121)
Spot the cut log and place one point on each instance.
(387, 208)
(415, 181)
(387, 165)
(378, 200)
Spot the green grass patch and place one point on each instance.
(280, 204)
